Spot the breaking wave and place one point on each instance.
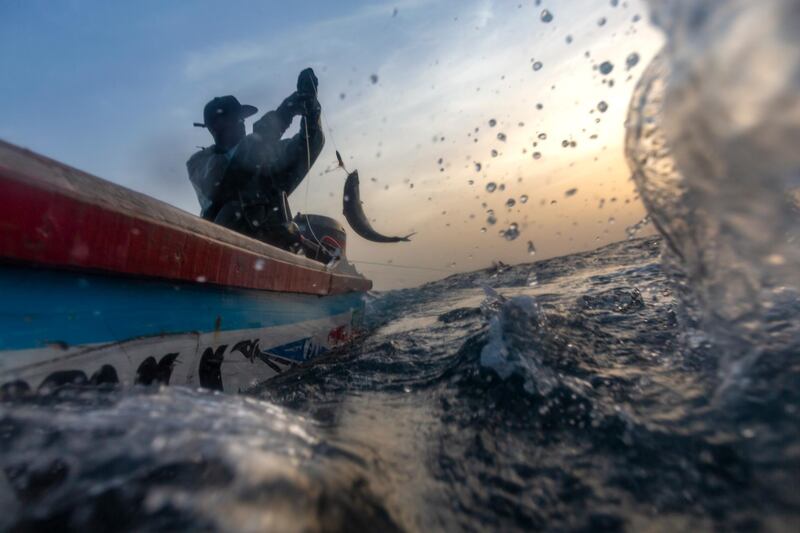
(711, 138)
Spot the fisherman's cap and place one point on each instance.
(226, 106)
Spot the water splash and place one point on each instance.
(509, 351)
(713, 128)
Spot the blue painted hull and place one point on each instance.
(60, 326)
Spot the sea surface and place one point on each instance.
(651, 385)
(562, 395)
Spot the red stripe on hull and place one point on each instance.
(54, 215)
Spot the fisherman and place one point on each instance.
(242, 181)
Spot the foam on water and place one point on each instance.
(478, 401)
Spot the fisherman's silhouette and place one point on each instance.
(242, 181)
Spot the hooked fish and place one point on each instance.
(354, 212)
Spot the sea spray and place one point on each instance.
(711, 139)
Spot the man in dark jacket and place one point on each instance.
(242, 180)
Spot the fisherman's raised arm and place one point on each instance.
(298, 154)
(287, 161)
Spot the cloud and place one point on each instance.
(327, 37)
(206, 63)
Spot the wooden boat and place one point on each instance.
(100, 284)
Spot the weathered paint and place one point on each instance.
(54, 215)
(100, 284)
(52, 322)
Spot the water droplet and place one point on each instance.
(602, 106)
(546, 16)
(342, 96)
(632, 60)
(537, 65)
(501, 137)
(491, 186)
(259, 264)
(570, 192)
(569, 39)
(531, 248)
(512, 232)
(200, 279)
(373, 78)
(510, 203)
(491, 219)
(606, 67)
(539, 107)
(542, 136)
(533, 279)
(775, 260)
(523, 199)
(537, 155)
(494, 153)
(492, 123)
(601, 22)
(477, 167)
(483, 230)
(501, 187)
(565, 143)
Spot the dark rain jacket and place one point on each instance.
(250, 177)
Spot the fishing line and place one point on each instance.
(308, 162)
(308, 145)
(400, 266)
(308, 158)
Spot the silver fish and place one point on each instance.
(355, 215)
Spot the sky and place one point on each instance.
(434, 102)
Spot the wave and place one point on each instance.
(711, 140)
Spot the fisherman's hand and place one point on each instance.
(310, 105)
(307, 82)
(291, 107)
(299, 104)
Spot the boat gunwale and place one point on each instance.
(180, 232)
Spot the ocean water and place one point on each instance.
(651, 385)
(561, 395)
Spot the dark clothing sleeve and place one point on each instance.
(206, 170)
(299, 154)
(290, 159)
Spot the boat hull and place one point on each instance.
(62, 327)
(100, 284)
